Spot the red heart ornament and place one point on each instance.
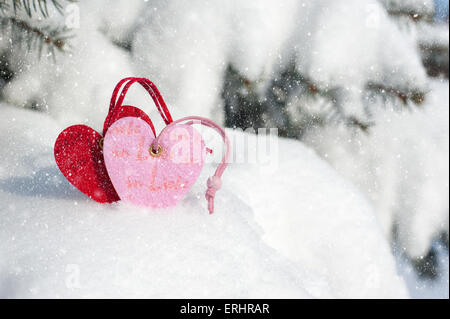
(79, 156)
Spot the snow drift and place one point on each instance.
(312, 236)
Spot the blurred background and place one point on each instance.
(363, 83)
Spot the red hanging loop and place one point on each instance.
(149, 87)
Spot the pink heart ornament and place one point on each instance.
(156, 179)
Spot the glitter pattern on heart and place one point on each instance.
(158, 179)
(78, 155)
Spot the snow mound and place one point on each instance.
(312, 236)
(314, 217)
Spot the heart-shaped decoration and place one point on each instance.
(79, 156)
(152, 177)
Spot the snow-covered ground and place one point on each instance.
(274, 233)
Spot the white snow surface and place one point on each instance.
(274, 233)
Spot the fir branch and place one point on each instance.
(21, 30)
(54, 39)
(412, 15)
(50, 38)
(245, 107)
(435, 59)
(362, 126)
(409, 10)
(31, 6)
(404, 96)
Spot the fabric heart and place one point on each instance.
(152, 177)
(79, 156)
